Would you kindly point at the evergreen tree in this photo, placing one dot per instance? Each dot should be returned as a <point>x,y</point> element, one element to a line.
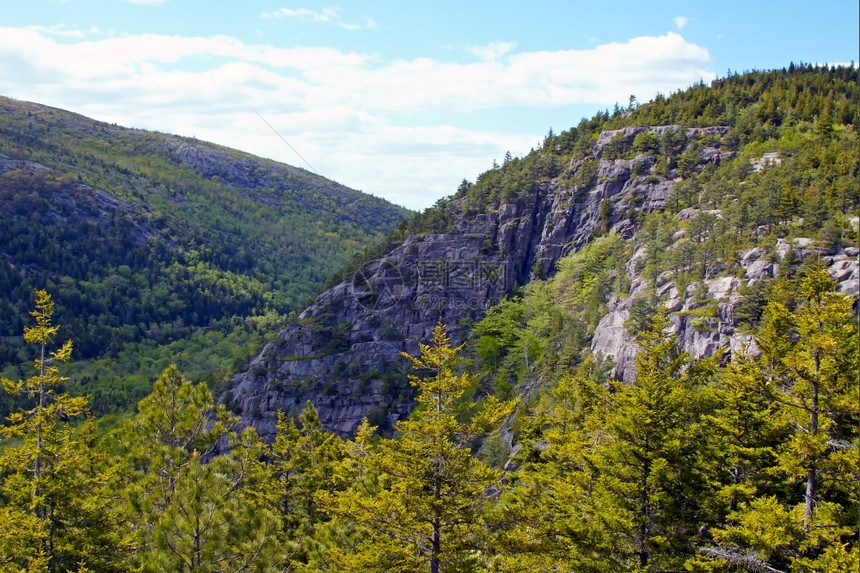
<point>555,514</point>
<point>418,499</point>
<point>55,515</point>
<point>186,513</point>
<point>808,368</point>
<point>815,387</point>
<point>304,460</point>
<point>648,458</point>
<point>743,436</point>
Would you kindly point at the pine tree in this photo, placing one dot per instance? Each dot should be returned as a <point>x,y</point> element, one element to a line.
<point>743,436</point>
<point>810,356</point>
<point>304,460</point>
<point>555,514</point>
<point>185,512</point>
<point>808,368</point>
<point>56,515</point>
<point>418,499</point>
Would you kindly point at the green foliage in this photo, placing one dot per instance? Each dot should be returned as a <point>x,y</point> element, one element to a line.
<point>757,103</point>
<point>688,467</point>
<point>742,438</point>
<point>522,342</point>
<point>305,460</point>
<point>53,477</point>
<point>646,142</point>
<point>144,244</point>
<point>626,459</point>
<point>649,462</point>
<point>415,501</point>
<point>184,512</point>
<point>750,308</point>
<point>801,390</point>
<point>815,383</point>
<point>533,524</point>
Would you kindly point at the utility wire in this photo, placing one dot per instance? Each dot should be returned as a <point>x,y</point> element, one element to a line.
<point>314,171</point>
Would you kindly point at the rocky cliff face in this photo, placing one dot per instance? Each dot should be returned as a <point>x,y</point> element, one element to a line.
<point>705,321</point>
<point>343,353</point>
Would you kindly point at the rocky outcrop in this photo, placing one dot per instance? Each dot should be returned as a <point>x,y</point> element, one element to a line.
<point>343,352</point>
<point>57,198</point>
<point>704,319</point>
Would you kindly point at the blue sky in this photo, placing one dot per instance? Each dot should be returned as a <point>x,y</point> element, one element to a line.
<point>399,99</point>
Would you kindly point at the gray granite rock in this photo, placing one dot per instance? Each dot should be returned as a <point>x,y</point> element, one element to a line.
<point>343,353</point>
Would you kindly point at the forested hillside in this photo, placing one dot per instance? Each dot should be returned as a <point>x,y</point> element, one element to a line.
<point>634,349</point>
<point>156,246</point>
<point>700,219</point>
<point>751,204</point>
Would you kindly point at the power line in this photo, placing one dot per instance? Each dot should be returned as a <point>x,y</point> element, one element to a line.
<point>287,142</point>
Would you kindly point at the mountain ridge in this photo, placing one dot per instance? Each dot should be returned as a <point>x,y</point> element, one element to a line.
<point>521,219</point>
<point>152,239</point>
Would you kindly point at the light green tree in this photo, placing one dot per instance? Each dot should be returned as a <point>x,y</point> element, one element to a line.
<point>809,375</point>
<point>418,499</point>
<point>555,515</point>
<point>52,475</point>
<point>743,435</point>
<point>185,511</point>
<point>304,459</point>
<point>816,390</point>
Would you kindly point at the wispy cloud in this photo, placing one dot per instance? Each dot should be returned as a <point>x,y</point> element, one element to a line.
<point>58,30</point>
<point>366,23</point>
<point>492,51</point>
<point>680,21</point>
<point>325,16</point>
<point>337,108</point>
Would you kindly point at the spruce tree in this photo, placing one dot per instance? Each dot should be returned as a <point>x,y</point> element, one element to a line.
<point>418,499</point>
<point>555,514</point>
<point>304,459</point>
<point>808,376</point>
<point>56,513</point>
<point>648,459</point>
<point>186,512</point>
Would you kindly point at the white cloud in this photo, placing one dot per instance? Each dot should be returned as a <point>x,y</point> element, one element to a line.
<point>492,51</point>
<point>326,16</point>
<point>680,21</point>
<point>342,111</point>
<point>146,2</point>
<point>366,23</point>
<point>58,30</point>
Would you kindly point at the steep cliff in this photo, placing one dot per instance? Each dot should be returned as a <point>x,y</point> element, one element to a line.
<point>343,353</point>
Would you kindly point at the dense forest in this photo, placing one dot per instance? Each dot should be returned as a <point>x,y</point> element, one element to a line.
<point>691,468</point>
<point>711,216</point>
<point>522,453</point>
<point>160,249</point>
